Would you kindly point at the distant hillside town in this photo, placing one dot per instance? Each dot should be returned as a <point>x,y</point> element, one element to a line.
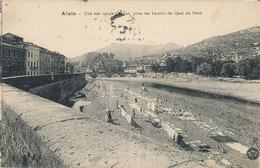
<point>235,54</point>
<point>25,58</point>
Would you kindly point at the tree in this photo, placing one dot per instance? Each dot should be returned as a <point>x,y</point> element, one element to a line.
<point>112,65</point>
<point>185,66</point>
<point>178,63</point>
<point>242,69</point>
<point>256,72</point>
<point>155,67</point>
<point>195,62</point>
<point>170,65</point>
<point>204,69</point>
<point>216,68</point>
<point>228,70</point>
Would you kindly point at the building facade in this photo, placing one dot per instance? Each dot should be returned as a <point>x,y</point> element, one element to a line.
<point>32,59</point>
<point>45,61</point>
<point>58,64</point>
<point>51,62</point>
<point>13,55</point>
<point>25,58</point>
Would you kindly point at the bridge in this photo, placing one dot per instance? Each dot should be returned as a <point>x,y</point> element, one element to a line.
<point>110,74</point>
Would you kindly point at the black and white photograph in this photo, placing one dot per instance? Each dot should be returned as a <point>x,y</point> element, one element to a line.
<point>130,84</point>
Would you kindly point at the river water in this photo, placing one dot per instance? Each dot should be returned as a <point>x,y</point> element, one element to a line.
<point>186,91</point>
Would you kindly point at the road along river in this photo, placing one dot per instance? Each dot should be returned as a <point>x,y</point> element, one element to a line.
<point>217,129</point>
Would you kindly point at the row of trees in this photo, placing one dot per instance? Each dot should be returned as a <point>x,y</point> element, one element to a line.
<point>248,68</point>
<point>113,65</point>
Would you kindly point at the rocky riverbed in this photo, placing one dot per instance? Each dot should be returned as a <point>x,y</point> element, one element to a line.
<point>200,120</point>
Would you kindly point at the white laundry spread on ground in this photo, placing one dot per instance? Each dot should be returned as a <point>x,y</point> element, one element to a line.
<point>127,116</point>
<point>238,147</point>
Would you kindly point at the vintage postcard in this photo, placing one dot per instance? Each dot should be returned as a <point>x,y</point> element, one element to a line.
<point>89,83</point>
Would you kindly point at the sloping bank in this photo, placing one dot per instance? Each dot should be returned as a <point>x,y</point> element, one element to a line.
<point>37,132</point>
<point>200,93</point>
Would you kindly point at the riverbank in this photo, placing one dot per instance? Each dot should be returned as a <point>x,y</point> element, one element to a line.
<point>233,87</point>
<point>233,119</point>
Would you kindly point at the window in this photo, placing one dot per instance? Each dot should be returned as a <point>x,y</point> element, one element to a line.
<point>28,63</point>
<point>31,64</point>
<point>12,54</point>
<point>34,64</point>
<point>31,72</point>
<point>28,72</point>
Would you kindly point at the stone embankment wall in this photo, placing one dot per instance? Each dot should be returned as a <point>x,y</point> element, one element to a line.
<point>52,87</point>
<point>22,146</point>
<point>37,132</point>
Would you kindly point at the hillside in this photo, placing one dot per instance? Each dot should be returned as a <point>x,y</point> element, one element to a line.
<point>90,59</point>
<point>98,61</point>
<point>233,46</point>
<point>126,51</point>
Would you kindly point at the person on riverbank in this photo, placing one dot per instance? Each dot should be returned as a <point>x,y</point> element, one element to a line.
<point>108,115</point>
<point>133,113</point>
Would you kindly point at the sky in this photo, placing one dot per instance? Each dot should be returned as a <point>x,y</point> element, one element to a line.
<point>148,23</point>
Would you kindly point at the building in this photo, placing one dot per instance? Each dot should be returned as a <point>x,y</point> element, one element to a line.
<point>51,62</point>
<point>69,68</point>
<point>45,61</point>
<point>25,58</point>
<point>13,55</point>
<point>147,68</point>
<point>32,59</point>
<point>131,69</point>
<point>108,55</point>
<point>58,65</point>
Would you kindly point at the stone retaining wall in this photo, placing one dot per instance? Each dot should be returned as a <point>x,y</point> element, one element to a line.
<point>58,91</point>
<point>52,87</point>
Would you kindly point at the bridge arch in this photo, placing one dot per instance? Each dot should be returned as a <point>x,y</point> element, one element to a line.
<point>102,74</point>
<point>116,75</point>
<point>108,74</point>
<point>89,75</point>
<point>129,75</point>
